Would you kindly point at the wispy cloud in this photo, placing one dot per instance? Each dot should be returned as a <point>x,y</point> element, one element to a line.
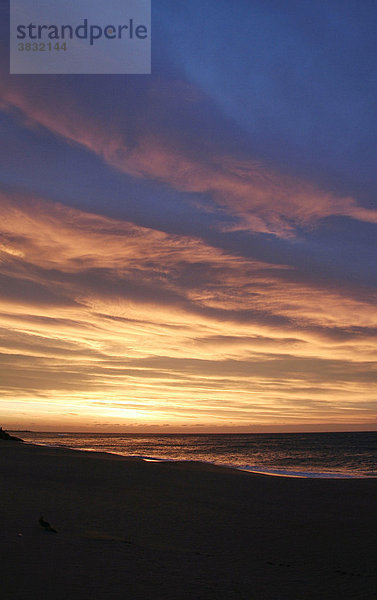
<point>105,317</point>
<point>259,198</point>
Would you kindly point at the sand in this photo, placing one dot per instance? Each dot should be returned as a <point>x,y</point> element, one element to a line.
<point>142,530</point>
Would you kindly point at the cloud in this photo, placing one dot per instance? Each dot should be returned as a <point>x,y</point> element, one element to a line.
<point>258,198</point>
<point>26,291</point>
<point>97,260</point>
<point>98,309</point>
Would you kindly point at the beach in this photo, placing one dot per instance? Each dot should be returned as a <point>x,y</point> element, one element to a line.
<point>126,528</point>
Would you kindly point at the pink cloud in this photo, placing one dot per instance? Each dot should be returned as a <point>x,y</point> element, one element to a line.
<point>120,259</point>
<point>262,200</point>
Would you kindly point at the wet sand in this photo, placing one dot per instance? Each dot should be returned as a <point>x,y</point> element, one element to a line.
<point>142,530</point>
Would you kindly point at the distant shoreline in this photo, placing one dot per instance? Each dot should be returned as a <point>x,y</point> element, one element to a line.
<point>198,433</point>
<point>5,436</point>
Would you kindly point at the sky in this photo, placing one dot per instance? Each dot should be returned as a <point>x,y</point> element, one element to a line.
<point>195,250</point>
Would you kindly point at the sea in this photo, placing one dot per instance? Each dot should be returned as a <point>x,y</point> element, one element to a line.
<point>326,455</point>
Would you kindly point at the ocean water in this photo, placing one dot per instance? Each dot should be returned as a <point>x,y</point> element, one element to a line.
<point>286,454</point>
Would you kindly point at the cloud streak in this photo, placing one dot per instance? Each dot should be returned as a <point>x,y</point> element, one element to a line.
<point>258,198</point>
<point>96,309</point>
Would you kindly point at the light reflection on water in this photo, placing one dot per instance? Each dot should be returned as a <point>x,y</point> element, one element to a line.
<point>301,455</point>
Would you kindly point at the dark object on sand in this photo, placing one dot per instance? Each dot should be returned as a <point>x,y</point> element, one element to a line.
<point>5,436</point>
<point>46,525</point>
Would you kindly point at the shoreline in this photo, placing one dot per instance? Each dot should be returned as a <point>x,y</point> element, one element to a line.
<point>168,530</point>
<point>247,469</point>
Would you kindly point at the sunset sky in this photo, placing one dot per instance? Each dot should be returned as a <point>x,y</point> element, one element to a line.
<point>195,250</point>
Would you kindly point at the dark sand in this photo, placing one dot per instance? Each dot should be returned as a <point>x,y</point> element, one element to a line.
<point>137,530</point>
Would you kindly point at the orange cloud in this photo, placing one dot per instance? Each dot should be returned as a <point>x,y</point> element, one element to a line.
<point>106,319</point>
